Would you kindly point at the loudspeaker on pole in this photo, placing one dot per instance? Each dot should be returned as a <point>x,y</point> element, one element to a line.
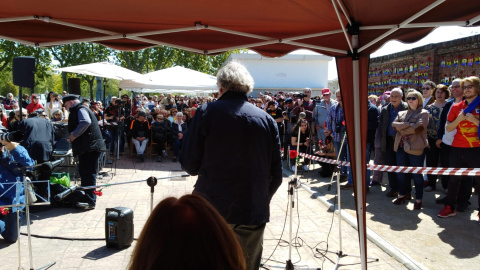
<point>74,86</point>
<point>23,71</point>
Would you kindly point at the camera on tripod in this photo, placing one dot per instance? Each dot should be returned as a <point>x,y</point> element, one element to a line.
<point>14,136</point>
<point>301,95</point>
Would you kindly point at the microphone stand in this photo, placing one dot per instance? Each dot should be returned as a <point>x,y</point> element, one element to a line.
<point>293,184</point>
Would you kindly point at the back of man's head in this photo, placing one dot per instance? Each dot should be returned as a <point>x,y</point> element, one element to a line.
<point>235,77</point>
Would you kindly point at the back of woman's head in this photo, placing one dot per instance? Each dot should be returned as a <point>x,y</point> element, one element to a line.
<point>186,233</point>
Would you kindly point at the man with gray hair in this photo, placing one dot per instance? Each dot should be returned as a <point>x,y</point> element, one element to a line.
<point>387,116</point>
<point>234,148</point>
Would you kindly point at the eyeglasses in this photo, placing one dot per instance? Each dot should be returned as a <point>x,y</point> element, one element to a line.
<point>57,114</point>
<point>326,94</point>
<point>455,86</point>
<point>411,98</point>
<point>426,88</point>
<point>43,115</point>
<point>468,87</point>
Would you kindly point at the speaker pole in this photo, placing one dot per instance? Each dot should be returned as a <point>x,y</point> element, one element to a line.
<point>20,103</point>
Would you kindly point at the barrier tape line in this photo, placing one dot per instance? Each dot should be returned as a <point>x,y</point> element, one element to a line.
<point>402,169</point>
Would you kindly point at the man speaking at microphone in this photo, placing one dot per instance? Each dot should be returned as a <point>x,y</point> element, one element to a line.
<point>234,148</point>
<point>87,143</point>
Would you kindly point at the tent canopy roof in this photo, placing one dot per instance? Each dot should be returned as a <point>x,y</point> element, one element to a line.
<point>272,28</point>
<point>102,69</point>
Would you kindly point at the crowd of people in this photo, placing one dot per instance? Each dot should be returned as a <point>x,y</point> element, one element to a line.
<point>434,126</point>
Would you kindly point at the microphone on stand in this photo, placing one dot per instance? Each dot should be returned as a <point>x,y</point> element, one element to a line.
<point>302,115</point>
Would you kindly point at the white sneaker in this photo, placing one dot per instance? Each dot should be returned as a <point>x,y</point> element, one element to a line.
<point>305,167</point>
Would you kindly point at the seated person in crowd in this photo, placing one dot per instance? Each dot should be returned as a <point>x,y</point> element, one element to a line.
<point>327,150</point>
<point>161,130</point>
<point>140,132</point>
<point>187,233</point>
<point>7,102</point>
<point>57,115</point>
<point>304,140</point>
<point>35,104</point>
<point>179,128</point>
<point>15,157</point>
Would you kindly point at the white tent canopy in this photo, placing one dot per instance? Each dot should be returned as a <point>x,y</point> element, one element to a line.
<point>174,78</point>
<point>104,70</point>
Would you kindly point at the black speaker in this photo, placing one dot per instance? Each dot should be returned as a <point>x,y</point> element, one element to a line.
<point>74,86</point>
<point>119,227</point>
<point>24,71</point>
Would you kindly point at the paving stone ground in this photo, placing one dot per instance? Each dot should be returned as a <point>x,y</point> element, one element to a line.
<point>437,244</point>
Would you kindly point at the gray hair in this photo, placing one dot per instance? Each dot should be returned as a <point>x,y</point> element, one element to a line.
<point>397,90</point>
<point>235,77</point>
<point>57,111</point>
<point>179,114</point>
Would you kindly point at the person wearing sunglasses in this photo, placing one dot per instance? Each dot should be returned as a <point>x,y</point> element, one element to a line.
<point>410,143</point>
<point>464,118</point>
<point>427,89</point>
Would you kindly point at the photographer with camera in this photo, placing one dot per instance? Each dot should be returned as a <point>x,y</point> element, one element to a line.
<point>53,103</point>
<point>115,113</point>
<point>12,157</point>
<point>336,129</point>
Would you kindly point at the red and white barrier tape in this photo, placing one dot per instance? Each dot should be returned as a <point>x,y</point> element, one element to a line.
<point>402,169</point>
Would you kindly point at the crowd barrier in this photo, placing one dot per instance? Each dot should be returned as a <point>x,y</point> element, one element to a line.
<point>402,169</point>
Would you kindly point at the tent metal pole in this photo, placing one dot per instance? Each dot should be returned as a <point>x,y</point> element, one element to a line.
<point>360,182</point>
<point>17,19</point>
<point>18,41</point>
<point>344,12</point>
<point>218,29</point>
<point>474,20</point>
<point>343,27</point>
<point>164,44</point>
<point>407,21</point>
<point>415,25</point>
<point>313,35</point>
<point>315,47</point>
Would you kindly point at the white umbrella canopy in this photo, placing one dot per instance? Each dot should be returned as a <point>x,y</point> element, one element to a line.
<point>104,70</point>
<point>174,78</point>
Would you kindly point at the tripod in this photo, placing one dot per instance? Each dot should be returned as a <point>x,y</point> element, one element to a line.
<point>340,253</point>
<point>293,184</point>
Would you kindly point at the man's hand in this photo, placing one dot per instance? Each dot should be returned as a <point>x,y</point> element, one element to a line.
<point>180,136</point>
<point>438,143</point>
<point>70,138</point>
<point>9,145</point>
<point>471,118</point>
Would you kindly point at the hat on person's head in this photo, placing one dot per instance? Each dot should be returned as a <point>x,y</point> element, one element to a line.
<point>142,114</point>
<point>69,97</point>
<point>387,92</point>
<point>289,100</point>
<point>326,91</point>
<point>86,99</point>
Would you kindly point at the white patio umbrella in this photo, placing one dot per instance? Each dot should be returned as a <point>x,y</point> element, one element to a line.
<point>174,78</point>
<point>104,70</point>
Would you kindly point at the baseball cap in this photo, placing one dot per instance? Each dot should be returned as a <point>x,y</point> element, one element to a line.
<point>289,100</point>
<point>326,91</point>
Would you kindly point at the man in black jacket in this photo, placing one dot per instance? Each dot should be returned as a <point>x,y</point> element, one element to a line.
<point>87,143</point>
<point>140,132</point>
<point>38,139</point>
<point>234,148</point>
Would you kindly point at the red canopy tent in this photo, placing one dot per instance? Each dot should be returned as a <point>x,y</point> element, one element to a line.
<point>347,29</point>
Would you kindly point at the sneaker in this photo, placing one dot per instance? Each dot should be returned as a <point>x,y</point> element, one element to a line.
<point>428,189</point>
<point>159,159</point>
<point>392,193</point>
<point>447,212</point>
<point>84,206</point>
<point>463,206</point>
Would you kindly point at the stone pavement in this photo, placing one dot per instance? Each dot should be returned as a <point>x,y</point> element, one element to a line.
<point>74,239</point>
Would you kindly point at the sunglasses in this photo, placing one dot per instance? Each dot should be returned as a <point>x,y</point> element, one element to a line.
<point>326,94</point>
<point>411,98</point>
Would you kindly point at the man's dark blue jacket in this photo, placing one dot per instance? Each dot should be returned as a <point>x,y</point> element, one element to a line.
<point>234,148</point>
